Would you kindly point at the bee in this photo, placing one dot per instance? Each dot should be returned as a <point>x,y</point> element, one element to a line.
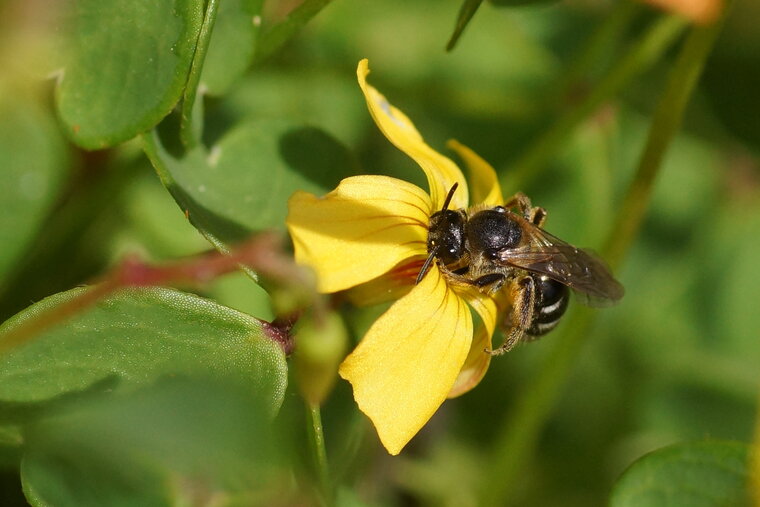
<point>497,249</point>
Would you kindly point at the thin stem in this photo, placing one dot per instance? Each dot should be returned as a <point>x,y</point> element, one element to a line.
<point>273,38</point>
<point>600,44</point>
<point>319,454</point>
<point>644,53</point>
<point>263,252</point>
<point>665,124</point>
<point>187,130</point>
<point>523,425</point>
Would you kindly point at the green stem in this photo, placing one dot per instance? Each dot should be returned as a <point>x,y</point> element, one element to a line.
<point>190,133</point>
<point>523,425</point>
<point>317,442</point>
<point>665,124</point>
<point>599,46</point>
<point>273,38</point>
<point>644,53</point>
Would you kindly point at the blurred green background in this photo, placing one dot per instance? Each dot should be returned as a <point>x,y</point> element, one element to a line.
<point>677,359</point>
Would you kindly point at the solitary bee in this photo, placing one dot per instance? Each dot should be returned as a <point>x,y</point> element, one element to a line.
<point>496,248</point>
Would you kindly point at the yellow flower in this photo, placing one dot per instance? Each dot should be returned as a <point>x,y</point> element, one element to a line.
<point>370,235</point>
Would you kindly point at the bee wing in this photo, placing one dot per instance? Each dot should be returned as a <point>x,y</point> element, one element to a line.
<point>580,269</point>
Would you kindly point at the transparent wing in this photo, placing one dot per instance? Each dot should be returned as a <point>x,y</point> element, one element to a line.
<point>580,269</point>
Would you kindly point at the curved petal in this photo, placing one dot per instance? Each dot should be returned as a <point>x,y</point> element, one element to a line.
<point>360,230</point>
<point>390,286</point>
<point>441,172</point>
<point>405,366</point>
<point>476,364</point>
<point>484,185</point>
<point>478,360</point>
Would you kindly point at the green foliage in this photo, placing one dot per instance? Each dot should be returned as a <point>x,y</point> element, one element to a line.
<point>223,191</point>
<point>132,339</point>
<point>126,66</point>
<point>152,396</point>
<point>33,159</point>
<point>466,12</point>
<point>232,46</point>
<point>708,474</point>
<point>176,441</point>
<point>517,3</point>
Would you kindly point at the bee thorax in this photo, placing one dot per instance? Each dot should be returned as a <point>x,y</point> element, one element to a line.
<point>492,231</point>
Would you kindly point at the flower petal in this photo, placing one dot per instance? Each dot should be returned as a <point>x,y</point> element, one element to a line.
<point>478,360</point>
<point>405,366</point>
<point>441,172</point>
<point>476,364</point>
<point>484,185</point>
<point>390,286</point>
<point>360,230</point>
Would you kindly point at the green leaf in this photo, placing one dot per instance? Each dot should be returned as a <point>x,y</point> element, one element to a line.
<point>191,112</point>
<point>332,100</point>
<point>243,183</point>
<point>238,291</point>
<point>127,66</point>
<point>517,3</point>
<point>11,442</point>
<point>170,237</point>
<point>175,443</point>
<point>273,38</point>
<point>232,46</point>
<point>33,162</point>
<point>466,12</point>
<point>132,338</point>
<point>698,474</point>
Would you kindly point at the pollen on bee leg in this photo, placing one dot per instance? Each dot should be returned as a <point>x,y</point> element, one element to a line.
<point>523,296</point>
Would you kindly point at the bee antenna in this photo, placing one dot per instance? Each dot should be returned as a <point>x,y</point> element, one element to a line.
<point>429,259</point>
<point>449,197</point>
<point>434,251</point>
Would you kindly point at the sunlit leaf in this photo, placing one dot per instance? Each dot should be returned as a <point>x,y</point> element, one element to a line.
<point>243,183</point>
<point>127,66</point>
<point>232,44</point>
<point>133,338</point>
<point>704,474</point>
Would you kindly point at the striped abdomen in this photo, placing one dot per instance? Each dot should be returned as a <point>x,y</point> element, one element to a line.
<point>551,303</point>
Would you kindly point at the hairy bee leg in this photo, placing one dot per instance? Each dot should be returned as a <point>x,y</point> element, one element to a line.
<point>523,297</point>
<point>519,201</point>
<point>534,214</point>
<point>494,282</point>
<point>537,216</point>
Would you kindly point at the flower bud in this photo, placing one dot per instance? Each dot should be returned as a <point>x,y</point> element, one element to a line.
<point>320,347</point>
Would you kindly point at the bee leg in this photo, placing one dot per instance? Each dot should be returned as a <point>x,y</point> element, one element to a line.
<point>533,214</point>
<point>537,216</point>
<point>494,282</point>
<point>523,297</point>
<point>519,201</point>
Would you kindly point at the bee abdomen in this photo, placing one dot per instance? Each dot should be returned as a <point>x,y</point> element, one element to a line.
<point>551,302</point>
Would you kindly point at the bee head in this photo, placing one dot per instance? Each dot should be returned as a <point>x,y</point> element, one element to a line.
<point>446,236</point>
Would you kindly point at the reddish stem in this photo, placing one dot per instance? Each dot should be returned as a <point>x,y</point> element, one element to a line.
<point>262,253</point>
